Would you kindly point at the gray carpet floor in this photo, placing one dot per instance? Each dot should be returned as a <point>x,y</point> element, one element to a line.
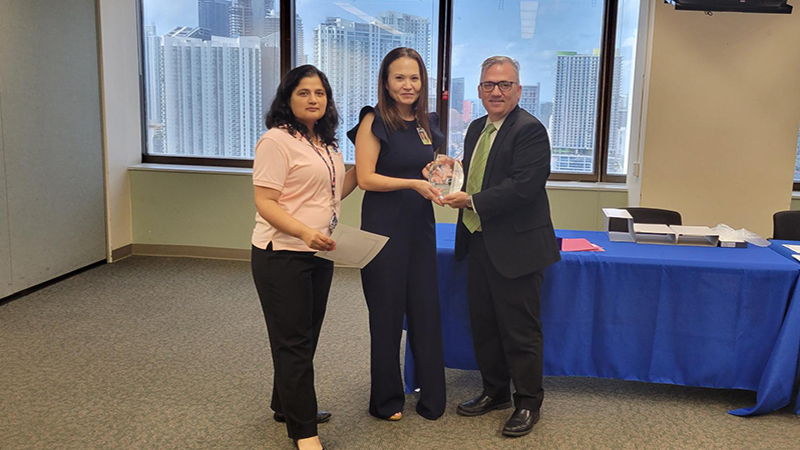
<point>168,353</point>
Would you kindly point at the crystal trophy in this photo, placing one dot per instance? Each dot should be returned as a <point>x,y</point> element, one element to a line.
<point>446,174</point>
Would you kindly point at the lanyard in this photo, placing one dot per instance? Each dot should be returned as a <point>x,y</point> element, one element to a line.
<point>332,173</point>
<point>331,167</point>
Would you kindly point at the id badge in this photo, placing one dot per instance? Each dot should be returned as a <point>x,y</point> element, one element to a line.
<point>423,135</point>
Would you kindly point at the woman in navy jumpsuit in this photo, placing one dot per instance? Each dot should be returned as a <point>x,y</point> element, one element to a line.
<point>401,280</point>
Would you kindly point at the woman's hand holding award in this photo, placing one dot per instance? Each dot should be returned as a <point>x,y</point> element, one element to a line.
<point>446,174</point>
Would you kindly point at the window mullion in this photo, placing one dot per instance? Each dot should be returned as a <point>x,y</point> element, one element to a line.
<point>604,91</point>
<point>443,74</point>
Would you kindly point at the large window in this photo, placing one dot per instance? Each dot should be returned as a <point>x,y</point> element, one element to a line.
<point>560,74</point>
<point>211,68</point>
<point>348,40</point>
<point>622,100</point>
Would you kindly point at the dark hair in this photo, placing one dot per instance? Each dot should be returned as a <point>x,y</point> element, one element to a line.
<point>387,107</point>
<point>280,113</point>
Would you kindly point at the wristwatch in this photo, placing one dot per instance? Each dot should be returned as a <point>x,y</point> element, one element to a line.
<point>469,202</point>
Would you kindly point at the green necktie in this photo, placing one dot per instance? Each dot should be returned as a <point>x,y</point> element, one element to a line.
<point>475,176</point>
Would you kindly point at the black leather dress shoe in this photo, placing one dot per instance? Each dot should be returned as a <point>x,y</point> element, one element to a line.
<point>521,422</point>
<point>482,404</point>
<point>322,417</point>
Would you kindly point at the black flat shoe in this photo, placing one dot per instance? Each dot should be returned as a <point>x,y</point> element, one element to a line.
<point>521,422</point>
<point>481,405</point>
<point>322,417</point>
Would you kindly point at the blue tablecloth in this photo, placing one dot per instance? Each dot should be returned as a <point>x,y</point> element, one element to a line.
<point>793,315</point>
<point>695,316</point>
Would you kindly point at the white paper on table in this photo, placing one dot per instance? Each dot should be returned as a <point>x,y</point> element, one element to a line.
<point>794,248</point>
<point>797,257</point>
<point>354,247</point>
<point>617,213</point>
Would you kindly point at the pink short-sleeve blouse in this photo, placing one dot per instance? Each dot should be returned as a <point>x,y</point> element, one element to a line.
<point>290,164</point>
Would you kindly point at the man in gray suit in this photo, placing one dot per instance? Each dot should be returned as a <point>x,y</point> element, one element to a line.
<point>504,227</point>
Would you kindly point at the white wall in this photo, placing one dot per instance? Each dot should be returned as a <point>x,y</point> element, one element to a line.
<point>121,113</point>
<point>52,140</point>
<point>723,107</point>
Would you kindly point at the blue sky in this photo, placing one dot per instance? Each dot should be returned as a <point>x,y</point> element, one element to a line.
<point>481,28</point>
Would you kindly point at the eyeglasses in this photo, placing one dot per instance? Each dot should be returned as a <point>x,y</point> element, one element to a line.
<point>505,86</point>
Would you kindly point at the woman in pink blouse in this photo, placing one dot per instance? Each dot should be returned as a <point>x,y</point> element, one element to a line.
<point>299,180</point>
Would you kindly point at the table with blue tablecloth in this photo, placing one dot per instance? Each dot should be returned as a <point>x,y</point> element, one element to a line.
<point>693,316</point>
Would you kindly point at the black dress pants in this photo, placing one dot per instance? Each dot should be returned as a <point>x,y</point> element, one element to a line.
<point>402,282</point>
<point>506,328</point>
<point>293,288</point>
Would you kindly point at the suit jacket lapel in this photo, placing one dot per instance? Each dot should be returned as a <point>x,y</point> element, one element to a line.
<point>497,145</point>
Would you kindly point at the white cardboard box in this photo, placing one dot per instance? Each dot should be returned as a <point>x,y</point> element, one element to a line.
<point>695,235</point>
<point>649,233</point>
<point>619,236</point>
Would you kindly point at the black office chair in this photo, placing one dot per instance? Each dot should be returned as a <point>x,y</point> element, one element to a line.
<point>646,215</point>
<point>786,225</point>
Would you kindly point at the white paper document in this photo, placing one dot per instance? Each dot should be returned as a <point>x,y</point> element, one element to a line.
<point>354,247</point>
<point>794,248</point>
<point>617,213</point>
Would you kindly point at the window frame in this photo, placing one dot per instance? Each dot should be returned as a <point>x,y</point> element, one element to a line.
<point>444,54</point>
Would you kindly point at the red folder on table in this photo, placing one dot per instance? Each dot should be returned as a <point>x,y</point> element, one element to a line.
<point>579,245</point>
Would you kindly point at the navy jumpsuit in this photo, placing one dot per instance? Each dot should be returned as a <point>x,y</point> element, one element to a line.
<point>402,278</point>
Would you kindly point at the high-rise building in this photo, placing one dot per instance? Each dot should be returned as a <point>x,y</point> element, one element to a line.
<point>433,98</point>
<point>617,138</point>
<point>467,116</point>
<point>575,111</point>
<point>545,112</point>
<point>241,18</point>
<point>457,126</point>
<point>478,110</point>
<point>457,95</point>
<point>191,32</point>
<point>154,94</point>
<point>417,28</point>
<point>272,25</point>
<point>350,54</point>
<point>300,43</point>
<point>260,9</point>
<point>211,95</point>
<point>270,70</point>
<point>529,99</point>
<point>214,15</point>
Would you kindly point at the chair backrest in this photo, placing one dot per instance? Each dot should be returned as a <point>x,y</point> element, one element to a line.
<point>647,215</point>
<point>786,225</point>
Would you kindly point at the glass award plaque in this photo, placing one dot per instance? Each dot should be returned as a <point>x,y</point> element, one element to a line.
<point>446,174</point>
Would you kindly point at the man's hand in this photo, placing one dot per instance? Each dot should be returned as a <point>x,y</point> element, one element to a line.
<point>456,200</point>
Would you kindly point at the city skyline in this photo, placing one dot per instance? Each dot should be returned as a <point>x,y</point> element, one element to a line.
<point>555,21</point>
<point>539,43</point>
